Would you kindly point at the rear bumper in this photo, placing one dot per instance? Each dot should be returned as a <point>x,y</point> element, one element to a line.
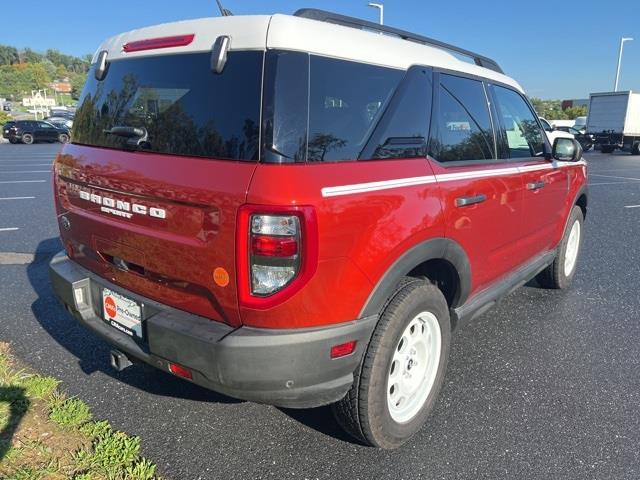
<point>288,368</point>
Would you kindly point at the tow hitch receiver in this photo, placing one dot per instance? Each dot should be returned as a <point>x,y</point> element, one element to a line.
<point>119,360</point>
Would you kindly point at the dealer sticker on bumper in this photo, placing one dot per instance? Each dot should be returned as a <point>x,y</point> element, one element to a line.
<point>122,313</point>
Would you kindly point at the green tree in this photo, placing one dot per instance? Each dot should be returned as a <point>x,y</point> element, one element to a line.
<point>29,56</point>
<point>574,112</point>
<point>77,84</point>
<point>8,55</point>
<point>61,72</point>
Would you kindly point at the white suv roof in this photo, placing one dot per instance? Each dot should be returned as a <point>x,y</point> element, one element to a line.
<point>257,32</point>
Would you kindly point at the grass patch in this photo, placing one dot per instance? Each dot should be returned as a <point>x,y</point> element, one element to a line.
<point>69,413</point>
<point>45,434</point>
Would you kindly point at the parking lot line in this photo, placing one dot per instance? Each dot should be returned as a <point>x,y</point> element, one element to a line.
<point>612,183</point>
<point>632,206</point>
<point>17,198</point>
<point>23,181</point>
<point>26,164</point>
<point>9,229</point>
<point>613,176</point>
<point>24,171</point>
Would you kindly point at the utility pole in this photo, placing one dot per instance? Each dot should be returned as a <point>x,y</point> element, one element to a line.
<point>380,8</point>
<point>622,40</point>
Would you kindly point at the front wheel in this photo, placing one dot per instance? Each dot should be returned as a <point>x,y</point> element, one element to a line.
<point>402,371</point>
<point>27,138</point>
<point>560,273</point>
<point>63,138</point>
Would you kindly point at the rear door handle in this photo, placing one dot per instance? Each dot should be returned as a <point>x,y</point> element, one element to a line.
<point>535,185</point>
<point>465,201</point>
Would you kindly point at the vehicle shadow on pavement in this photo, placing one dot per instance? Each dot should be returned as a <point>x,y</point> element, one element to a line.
<point>322,420</point>
<point>18,404</point>
<point>91,351</point>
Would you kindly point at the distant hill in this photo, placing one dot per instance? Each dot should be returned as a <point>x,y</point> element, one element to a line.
<point>22,71</point>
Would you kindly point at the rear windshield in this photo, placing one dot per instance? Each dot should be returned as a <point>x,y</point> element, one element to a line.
<point>180,105</point>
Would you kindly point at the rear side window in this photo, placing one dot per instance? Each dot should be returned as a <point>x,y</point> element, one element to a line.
<point>524,136</point>
<point>286,106</point>
<point>403,129</point>
<point>462,124</point>
<point>346,100</point>
<point>183,107</point>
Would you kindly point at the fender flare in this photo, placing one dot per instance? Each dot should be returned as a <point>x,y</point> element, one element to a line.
<point>584,190</point>
<point>435,248</point>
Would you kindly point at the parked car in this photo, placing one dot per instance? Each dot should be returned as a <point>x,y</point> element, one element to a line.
<point>553,132</point>
<point>31,131</point>
<point>362,196</point>
<point>59,112</point>
<point>580,123</point>
<point>586,140</point>
<point>61,122</point>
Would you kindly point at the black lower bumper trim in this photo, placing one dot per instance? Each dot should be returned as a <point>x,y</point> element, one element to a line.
<point>288,368</point>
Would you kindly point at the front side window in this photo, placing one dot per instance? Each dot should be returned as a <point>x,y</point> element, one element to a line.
<point>524,136</point>
<point>182,107</point>
<point>462,124</point>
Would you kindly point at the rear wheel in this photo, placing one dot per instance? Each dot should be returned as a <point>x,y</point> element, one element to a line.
<point>402,371</point>
<point>27,138</point>
<point>607,148</point>
<point>560,273</point>
<point>635,150</point>
<point>63,138</point>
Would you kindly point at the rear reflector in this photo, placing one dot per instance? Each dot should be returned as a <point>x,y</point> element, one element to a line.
<point>155,43</point>
<point>343,349</point>
<point>180,371</point>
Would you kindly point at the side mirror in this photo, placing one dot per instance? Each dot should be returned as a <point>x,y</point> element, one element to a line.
<point>566,150</point>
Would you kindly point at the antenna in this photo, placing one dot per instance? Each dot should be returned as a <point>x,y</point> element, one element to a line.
<point>223,11</point>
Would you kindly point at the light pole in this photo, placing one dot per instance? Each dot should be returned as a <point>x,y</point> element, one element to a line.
<point>622,40</point>
<point>380,7</point>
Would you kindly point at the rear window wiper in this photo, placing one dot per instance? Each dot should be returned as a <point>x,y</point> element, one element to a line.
<point>127,132</point>
<point>136,136</point>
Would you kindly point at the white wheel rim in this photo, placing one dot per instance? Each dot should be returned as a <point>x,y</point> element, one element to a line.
<point>414,367</point>
<point>573,245</point>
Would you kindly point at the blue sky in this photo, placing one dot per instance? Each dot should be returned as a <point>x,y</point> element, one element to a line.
<point>554,49</point>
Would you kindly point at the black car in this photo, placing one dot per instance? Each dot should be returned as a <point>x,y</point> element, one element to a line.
<point>30,131</point>
<point>583,139</point>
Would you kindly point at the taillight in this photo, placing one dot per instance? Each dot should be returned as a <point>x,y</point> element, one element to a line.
<point>277,252</point>
<point>274,252</point>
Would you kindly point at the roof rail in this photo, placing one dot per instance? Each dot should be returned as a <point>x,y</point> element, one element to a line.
<point>329,17</point>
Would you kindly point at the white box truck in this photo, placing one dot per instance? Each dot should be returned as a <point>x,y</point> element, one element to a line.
<point>614,120</point>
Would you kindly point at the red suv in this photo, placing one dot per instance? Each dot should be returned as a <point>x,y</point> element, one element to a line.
<point>302,213</point>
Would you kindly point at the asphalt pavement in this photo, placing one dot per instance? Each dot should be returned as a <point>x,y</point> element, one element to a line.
<point>544,385</point>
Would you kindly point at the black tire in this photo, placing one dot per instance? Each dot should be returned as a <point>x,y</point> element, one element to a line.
<point>635,149</point>
<point>27,138</point>
<point>63,138</point>
<point>555,275</point>
<point>607,148</point>
<point>13,141</point>
<point>364,411</point>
